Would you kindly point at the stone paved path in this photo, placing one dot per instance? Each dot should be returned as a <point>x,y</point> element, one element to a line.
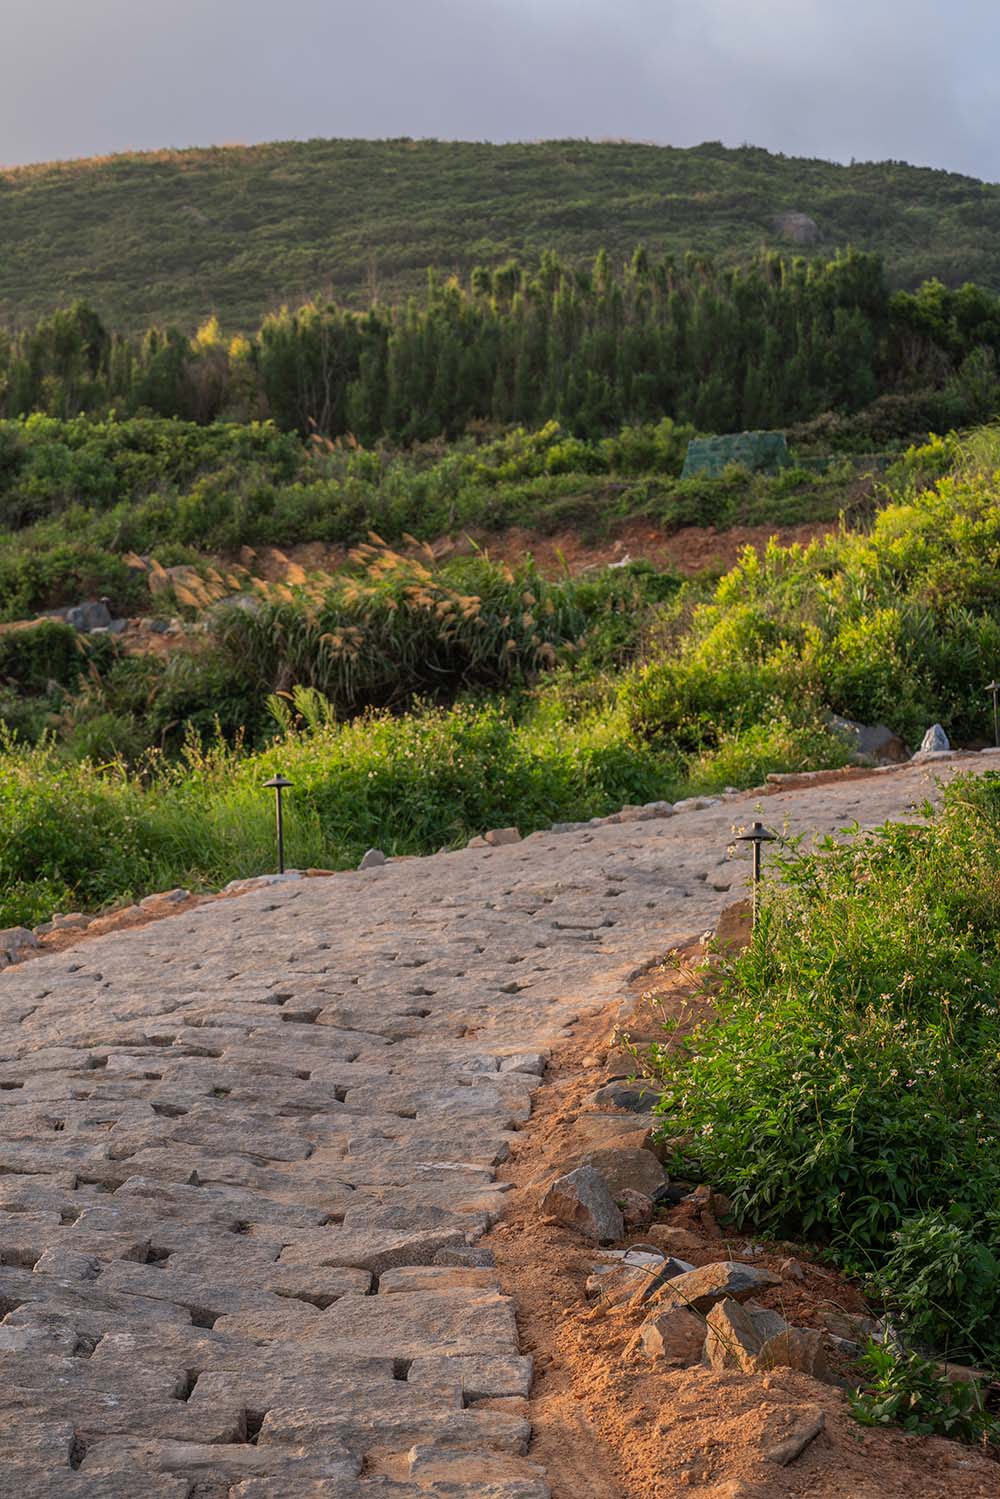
<point>246,1154</point>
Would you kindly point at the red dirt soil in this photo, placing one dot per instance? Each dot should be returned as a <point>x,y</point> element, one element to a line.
<point>690,550</point>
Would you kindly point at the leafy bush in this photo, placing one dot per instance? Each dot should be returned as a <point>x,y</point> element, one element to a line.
<point>47,652</point>
<point>850,1087</point>
<point>900,625</point>
<point>903,1389</point>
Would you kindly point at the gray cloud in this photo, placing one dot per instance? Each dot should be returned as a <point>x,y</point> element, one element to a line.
<point>834,78</point>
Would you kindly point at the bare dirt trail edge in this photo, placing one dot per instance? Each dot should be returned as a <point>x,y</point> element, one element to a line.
<point>243,1152</point>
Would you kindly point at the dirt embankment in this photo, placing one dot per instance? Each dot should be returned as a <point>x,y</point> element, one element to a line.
<point>610,1422</point>
<point>690,550</point>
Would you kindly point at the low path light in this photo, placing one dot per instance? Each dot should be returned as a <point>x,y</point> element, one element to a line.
<point>994,687</point>
<point>757,835</point>
<point>280,784</point>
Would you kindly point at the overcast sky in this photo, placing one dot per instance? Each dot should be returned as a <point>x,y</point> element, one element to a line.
<point>869,79</point>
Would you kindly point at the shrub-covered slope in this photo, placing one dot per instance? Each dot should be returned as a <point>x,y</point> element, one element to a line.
<point>551,700</point>
<point>177,235</point>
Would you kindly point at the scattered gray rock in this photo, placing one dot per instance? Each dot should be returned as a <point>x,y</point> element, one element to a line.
<point>373,859</point>
<point>635,814</point>
<point>806,1425</point>
<point>754,1339</point>
<point>497,837</point>
<point>637,1097</point>
<point>627,1169</point>
<point>75,921</point>
<point>568,827</point>
<point>725,1280</point>
<point>675,1334</point>
<point>582,1201</point>
<point>934,741</point>
<point>636,1209</point>
<point>89,617</point>
<point>870,741</point>
<point>668,1269</point>
<point>15,939</point>
<point>696,803</point>
<point>173,897</point>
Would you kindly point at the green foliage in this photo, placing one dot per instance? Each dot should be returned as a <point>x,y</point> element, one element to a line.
<point>849,1088</point>
<point>172,236</point>
<point>903,1389</point>
<point>399,628</point>
<point>659,345</point>
<point>32,657</point>
<point>79,835</point>
<point>900,625</point>
<point>174,489</point>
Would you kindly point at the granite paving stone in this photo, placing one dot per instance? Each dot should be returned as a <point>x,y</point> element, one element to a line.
<point>248,1157</point>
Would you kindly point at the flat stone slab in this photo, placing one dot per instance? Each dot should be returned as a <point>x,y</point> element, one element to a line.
<point>248,1155</point>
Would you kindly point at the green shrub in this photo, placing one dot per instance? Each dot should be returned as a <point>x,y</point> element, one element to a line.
<point>850,1087</point>
<point>903,1389</point>
<point>47,652</point>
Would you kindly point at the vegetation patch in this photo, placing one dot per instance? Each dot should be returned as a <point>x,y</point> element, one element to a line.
<point>848,1089</point>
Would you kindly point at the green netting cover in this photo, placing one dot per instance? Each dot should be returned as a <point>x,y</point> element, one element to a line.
<point>760,452</point>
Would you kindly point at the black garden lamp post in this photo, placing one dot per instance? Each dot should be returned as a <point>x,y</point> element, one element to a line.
<point>280,784</point>
<point>756,836</point>
<point>994,687</point>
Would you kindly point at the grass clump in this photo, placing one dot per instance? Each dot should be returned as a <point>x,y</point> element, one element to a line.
<point>849,1089</point>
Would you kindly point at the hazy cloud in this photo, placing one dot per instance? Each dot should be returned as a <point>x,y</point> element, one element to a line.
<point>832,78</point>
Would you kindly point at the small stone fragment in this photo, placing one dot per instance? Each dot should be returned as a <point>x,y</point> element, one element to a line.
<point>636,1209</point>
<point>497,837</point>
<point>582,1201</point>
<point>807,1424</point>
<point>14,939</point>
<point>934,741</point>
<point>676,1334</point>
<point>373,859</point>
<point>627,1169</point>
<point>164,898</point>
<point>637,1097</point>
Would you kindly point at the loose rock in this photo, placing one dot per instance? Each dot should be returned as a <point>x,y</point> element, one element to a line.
<point>582,1201</point>
<point>727,1279</point>
<point>934,741</point>
<point>627,1169</point>
<point>675,1334</point>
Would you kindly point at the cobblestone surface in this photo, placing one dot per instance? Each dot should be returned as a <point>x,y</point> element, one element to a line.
<point>243,1150</point>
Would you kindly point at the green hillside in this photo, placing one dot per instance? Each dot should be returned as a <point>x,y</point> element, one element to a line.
<point>177,235</point>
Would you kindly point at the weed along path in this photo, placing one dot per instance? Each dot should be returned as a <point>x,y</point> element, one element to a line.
<point>248,1160</point>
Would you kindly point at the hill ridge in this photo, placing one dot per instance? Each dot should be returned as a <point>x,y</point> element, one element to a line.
<point>179,234</point>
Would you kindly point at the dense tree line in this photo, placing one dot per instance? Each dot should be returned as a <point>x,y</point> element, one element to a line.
<point>769,344</point>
